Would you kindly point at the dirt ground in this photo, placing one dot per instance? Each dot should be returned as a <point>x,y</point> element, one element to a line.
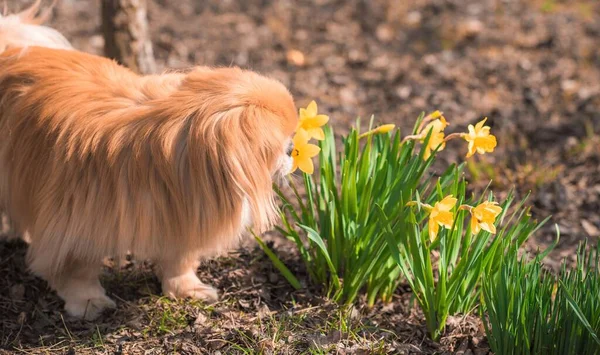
<point>531,66</point>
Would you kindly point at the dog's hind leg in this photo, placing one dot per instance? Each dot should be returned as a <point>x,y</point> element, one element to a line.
<point>76,282</point>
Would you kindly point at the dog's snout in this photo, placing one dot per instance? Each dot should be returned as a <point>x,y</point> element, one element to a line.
<point>289,149</point>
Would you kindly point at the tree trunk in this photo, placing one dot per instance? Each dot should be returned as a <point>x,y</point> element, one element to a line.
<point>126,36</point>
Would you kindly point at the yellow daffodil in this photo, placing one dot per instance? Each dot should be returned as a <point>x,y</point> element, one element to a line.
<point>437,136</point>
<point>381,129</point>
<point>484,216</point>
<point>303,152</point>
<point>435,114</point>
<point>441,215</point>
<point>479,138</point>
<point>311,122</point>
<point>438,125</point>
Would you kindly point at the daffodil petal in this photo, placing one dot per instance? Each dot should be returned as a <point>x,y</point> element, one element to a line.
<point>444,122</point>
<point>306,165</point>
<point>447,203</point>
<point>310,150</point>
<point>495,210</point>
<point>445,219</point>
<point>311,109</point>
<point>471,130</point>
<point>320,120</point>
<point>488,227</point>
<point>317,133</point>
<point>300,138</point>
<point>436,139</point>
<point>427,153</point>
<point>480,124</point>
<point>303,114</point>
<point>433,230</point>
<point>471,149</point>
<point>475,227</point>
<point>385,128</point>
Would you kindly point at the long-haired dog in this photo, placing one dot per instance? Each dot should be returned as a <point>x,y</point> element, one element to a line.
<point>97,161</point>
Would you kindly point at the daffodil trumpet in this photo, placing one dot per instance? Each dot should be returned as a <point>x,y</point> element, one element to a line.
<point>480,139</point>
<point>441,215</point>
<point>484,216</point>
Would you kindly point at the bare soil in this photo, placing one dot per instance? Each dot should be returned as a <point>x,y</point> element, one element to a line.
<point>532,67</point>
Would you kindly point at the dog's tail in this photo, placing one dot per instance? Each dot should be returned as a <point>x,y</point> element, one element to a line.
<point>25,29</point>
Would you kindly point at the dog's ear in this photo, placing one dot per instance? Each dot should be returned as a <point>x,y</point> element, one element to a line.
<point>235,152</point>
<point>240,123</point>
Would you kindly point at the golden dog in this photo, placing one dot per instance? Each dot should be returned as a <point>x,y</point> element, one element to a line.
<point>97,161</point>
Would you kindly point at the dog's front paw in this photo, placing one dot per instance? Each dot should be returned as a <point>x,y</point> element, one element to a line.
<point>89,309</point>
<point>189,285</point>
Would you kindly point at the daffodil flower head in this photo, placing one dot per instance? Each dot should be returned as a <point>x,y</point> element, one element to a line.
<point>484,216</point>
<point>441,215</point>
<point>479,138</point>
<point>438,125</point>
<point>303,153</point>
<point>386,128</point>
<point>435,114</point>
<point>311,122</point>
<point>437,136</point>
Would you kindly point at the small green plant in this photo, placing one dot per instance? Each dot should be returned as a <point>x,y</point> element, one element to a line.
<point>445,268</point>
<point>531,311</point>
<point>333,220</point>
<point>373,214</point>
<point>169,316</point>
<point>333,216</point>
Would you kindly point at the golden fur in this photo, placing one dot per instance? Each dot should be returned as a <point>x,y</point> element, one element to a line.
<point>97,161</point>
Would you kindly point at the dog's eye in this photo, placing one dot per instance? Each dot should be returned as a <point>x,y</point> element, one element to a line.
<point>289,149</point>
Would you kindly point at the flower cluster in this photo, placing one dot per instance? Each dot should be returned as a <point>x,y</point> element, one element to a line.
<point>441,214</point>
<point>309,126</point>
<point>479,137</point>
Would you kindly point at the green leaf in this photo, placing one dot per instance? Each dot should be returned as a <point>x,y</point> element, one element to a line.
<point>289,276</point>
<point>315,237</point>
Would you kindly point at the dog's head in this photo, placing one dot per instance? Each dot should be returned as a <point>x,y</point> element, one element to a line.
<point>241,134</point>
